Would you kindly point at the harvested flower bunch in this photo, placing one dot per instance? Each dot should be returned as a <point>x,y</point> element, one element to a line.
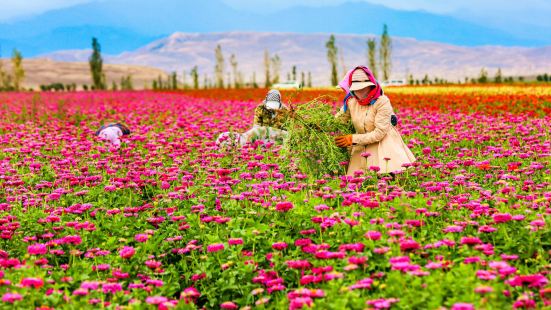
<point>310,141</point>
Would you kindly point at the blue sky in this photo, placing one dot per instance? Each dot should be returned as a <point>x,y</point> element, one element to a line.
<point>494,12</point>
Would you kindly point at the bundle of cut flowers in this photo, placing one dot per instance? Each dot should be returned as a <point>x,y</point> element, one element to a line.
<point>312,128</point>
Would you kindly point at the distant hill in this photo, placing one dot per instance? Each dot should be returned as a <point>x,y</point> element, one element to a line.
<point>122,25</point>
<point>181,51</point>
<point>45,71</point>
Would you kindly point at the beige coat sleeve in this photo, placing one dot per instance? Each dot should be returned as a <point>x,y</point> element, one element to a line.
<point>342,116</point>
<point>382,124</point>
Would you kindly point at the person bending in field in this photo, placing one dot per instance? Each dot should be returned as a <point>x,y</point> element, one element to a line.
<point>112,133</point>
<point>268,124</point>
<point>377,145</point>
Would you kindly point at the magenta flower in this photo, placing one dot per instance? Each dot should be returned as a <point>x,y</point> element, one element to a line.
<point>409,245</point>
<point>141,237</point>
<point>111,288</point>
<point>470,240</point>
<point>502,217</point>
<point>300,303</point>
<point>462,306</point>
<point>228,305</point>
<point>284,206</point>
<point>382,303</point>
<point>37,249</point>
<point>235,241</point>
<point>373,235</point>
<point>190,295</point>
<point>215,247</point>
<point>298,264</point>
<point>32,282</point>
<point>279,246</point>
<point>127,252</point>
<point>156,300</point>
<point>11,297</point>
<point>535,280</point>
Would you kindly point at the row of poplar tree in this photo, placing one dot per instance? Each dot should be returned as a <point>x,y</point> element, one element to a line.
<point>234,77</point>
<point>379,58</point>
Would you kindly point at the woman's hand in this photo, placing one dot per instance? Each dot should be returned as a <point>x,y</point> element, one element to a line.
<point>343,141</point>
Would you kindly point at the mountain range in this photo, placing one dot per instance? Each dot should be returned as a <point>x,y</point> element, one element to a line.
<point>179,52</point>
<point>123,25</point>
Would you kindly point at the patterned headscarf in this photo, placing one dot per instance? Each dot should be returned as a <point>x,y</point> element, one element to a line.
<point>273,97</point>
<point>346,82</point>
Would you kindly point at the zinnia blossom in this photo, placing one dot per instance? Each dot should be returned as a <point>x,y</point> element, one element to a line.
<point>215,247</point>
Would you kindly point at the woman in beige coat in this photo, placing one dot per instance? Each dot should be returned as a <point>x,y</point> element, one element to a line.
<point>377,145</point>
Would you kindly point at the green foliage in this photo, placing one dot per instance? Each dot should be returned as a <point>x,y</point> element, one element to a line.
<point>126,83</point>
<point>372,55</point>
<point>195,77</point>
<point>385,52</point>
<point>96,66</point>
<point>310,142</point>
<point>18,71</point>
<point>276,68</point>
<point>267,80</point>
<point>219,66</point>
<point>499,77</point>
<point>332,52</point>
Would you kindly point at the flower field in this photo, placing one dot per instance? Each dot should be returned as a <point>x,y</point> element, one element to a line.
<point>170,220</point>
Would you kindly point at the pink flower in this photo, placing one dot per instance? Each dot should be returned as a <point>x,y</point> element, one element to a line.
<point>362,284</point>
<point>535,280</point>
<point>153,264</point>
<point>11,297</point>
<point>453,229</point>
<point>155,300</point>
<point>462,306</point>
<point>37,249</point>
<point>215,247</point>
<point>300,303</point>
<point>409,245</point>
<point>110,188</point>
<point>298,264</point>
<point>382,303</point>
<point>375,168</point>
<point>111,288</point>
<point>141,237</point>
<point>80,292</point>
<point>284,206</point>
<point>127,252</point>
<point>470,240</point>
<point>235,241</point>
<point>373,235</point>
<point>228,305</point>
<point>483,289</point>
<point>89,285</point>
<point>524,302</point>
<point>279,246</point>
<point>32,282</point>
<point>190,294</point>
<point>76,240</point>
<point>502,217</point>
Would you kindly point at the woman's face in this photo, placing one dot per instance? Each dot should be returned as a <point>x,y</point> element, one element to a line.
<point>362,93</point>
